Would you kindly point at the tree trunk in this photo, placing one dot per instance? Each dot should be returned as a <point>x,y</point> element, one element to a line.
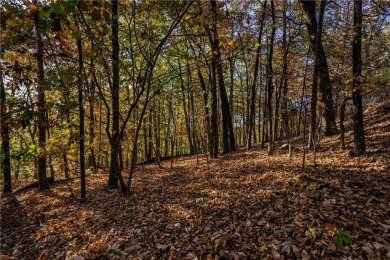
<point>252,108</point>
<point>270,87</point>
<point>5,146</point>
<point>342,117</point>
<point>214,103</point>
<point>42,179</point>
<point>285,130</point>
<point>317,66</point>
<point>359,143</point>
<point>115,140</point>
<point>229,143</point>
<point>91,127</point>
<point>206,108</point>
<point>309,8</point>
<point>83,193</point>
<point>186,117</point>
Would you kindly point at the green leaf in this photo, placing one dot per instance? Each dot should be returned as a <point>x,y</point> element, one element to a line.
<point>69,6</point>
<point>75,35</point>
<point>343,239</point>
<point>221,16</point>
<point>53,79</point>
<point>45,86</point>
<point>68,77</point>
<point>11,9</point>
<point>44,11</point>
<point>57,9</point>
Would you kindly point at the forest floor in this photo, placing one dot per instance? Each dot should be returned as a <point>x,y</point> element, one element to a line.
<point>243,205</point>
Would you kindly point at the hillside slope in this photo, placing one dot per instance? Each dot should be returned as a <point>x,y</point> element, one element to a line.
<point>244,205</point>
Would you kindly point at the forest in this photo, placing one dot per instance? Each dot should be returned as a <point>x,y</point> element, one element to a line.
<point>195,129</point>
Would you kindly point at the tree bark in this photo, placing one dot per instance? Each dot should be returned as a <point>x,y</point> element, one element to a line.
<point>317,47</point>
<point>252,108</point>
<point>229,143</point>
<point>359,143</point>
<point>285,130</point>
<point>270,87</point>
<point>213,90</point>
<point>83,193</point>
<point>91,127</point>
<point>186,117</point>
<point>42,124</point>
<point>5,146</point>
<point>330,127</point>
<point>342,117</point>
<point>115,140</point>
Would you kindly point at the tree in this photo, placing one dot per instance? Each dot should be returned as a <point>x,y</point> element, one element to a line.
<point>252,108</point>
<point>324,85</point>
<point>5,138</point>
<point>359,145</point>
<point>270,86</point>
<point>228,140</point>
<point>42,179</point>
<point>317,64</point>
<point>81,120</point>
<point>213,86</point>
<point>285,129</point>
<point>114,137</point>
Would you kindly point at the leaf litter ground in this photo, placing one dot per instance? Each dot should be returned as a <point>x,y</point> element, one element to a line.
<point>244,205</point>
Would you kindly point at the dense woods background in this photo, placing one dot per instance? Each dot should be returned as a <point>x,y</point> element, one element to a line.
<point>96,90</point>
<point>99,85</point>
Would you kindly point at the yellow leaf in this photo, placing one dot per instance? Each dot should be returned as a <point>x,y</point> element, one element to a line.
<point>33,9</point>
<point>263,249</point>
<point>331,228</point>
<point>331,247</point>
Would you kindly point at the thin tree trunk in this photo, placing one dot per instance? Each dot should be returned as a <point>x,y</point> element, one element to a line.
<point>186,117</point>
<point>359,143</point>
<point>115,138</point>
<point>251,118</point>
<point>206,108</point>
<point>342,117</point>
<point>316,75</point>
<point>303,99</point>
<point>91,127</point>
<point>42,178</point>
<point>83,192</point>
<point>50,159</point>
<point>285,130</point>
<point>5,138</point>
<point>214,106</point>
<point>270,86</point>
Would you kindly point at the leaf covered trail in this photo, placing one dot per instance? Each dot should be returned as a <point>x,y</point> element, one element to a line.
<point>244,205</point>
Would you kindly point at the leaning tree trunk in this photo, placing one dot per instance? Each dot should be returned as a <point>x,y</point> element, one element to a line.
<point>42,179</point>
<point>329,118</point>
<point>359,144</point>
